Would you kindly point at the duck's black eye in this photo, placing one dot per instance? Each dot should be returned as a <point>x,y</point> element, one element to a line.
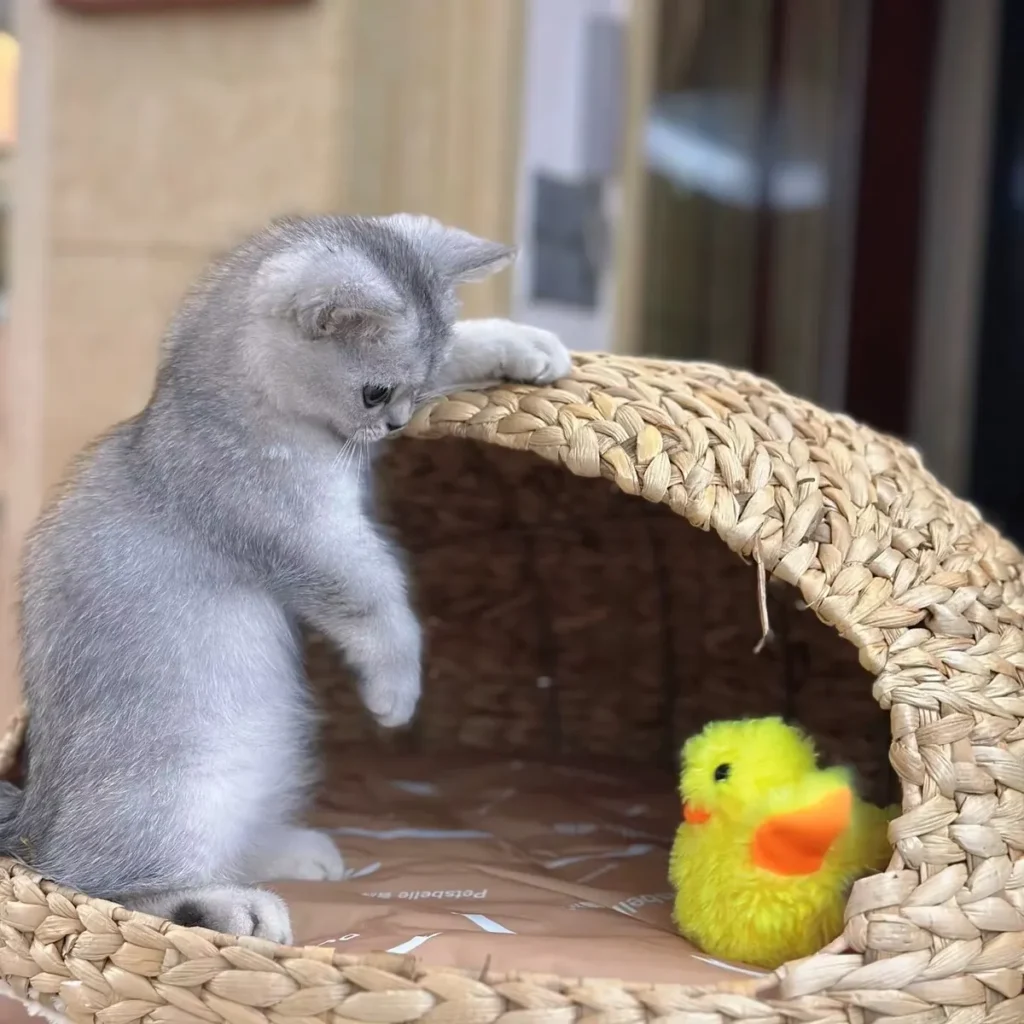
<point>722,772</point>
<point>376,394</point>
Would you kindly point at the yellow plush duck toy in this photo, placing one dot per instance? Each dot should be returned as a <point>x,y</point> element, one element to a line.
<point>769,844</point>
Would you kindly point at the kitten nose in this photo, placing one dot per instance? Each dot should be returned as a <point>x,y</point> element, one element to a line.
<point>398,414</point>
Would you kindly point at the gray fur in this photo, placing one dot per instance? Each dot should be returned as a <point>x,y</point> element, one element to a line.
<point>169,745</point>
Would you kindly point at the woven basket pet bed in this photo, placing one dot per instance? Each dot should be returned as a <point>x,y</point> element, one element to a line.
<point>572,611</point>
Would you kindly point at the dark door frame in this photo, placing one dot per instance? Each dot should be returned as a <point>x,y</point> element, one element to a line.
<point>997,463</point>
<point>893,164</point>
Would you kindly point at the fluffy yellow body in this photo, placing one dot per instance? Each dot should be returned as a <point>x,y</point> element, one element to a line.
<point>770,844</point>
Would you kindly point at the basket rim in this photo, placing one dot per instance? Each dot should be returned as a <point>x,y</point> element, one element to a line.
<point>929,594</point>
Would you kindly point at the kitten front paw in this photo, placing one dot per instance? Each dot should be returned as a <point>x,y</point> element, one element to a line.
<point>531,355</point>
<point>392,699</point>
<point>298,853</point>
<point>234,910</point>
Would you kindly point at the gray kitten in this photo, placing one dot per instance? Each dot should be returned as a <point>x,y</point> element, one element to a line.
<point>169,747</point>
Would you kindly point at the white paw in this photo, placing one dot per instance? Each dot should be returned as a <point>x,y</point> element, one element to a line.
<point>392,700</point>
<point>236,911</point>
<point>532,355</point>
<point>303,854</point>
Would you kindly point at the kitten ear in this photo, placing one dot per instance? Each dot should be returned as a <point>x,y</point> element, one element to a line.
<point>326,292</point>
<point>332,315</point>
<point>457,254</point>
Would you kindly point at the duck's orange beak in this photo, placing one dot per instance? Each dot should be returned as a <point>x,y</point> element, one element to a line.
<point>796,843</point>
<point>694,815</point>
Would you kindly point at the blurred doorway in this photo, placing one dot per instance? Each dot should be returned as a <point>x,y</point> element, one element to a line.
<point>745,143</point>
<point>776,192</point>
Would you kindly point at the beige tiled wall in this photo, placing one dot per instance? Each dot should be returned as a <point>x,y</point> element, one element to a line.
<point>183,129</point>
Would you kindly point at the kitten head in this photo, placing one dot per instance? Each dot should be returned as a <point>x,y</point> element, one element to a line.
<point>350,317</point>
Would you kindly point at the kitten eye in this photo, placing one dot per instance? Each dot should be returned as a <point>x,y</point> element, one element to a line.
<point>722,772</point>
<point>376,394</point>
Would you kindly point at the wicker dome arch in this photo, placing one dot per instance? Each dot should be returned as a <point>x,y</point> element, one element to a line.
<point>807,493</point>
<point>907,575</point>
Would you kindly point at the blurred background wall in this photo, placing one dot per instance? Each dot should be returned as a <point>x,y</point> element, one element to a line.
<point>172,134</point>
<point>824,191</point>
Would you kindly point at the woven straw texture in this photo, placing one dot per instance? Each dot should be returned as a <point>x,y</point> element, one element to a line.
<point>568,609</point>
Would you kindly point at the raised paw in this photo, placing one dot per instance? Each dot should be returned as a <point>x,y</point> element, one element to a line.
<point>392,699</point>
<point>531,355</point>
<point>234,910</point>
<point>299,853</point>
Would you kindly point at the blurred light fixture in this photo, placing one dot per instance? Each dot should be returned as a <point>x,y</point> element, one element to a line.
<point>9,53</point>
